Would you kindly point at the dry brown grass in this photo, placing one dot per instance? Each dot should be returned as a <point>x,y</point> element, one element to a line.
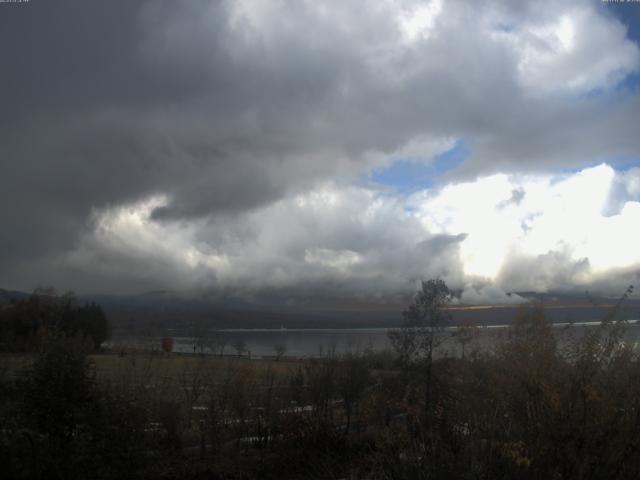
<point>144,366</point>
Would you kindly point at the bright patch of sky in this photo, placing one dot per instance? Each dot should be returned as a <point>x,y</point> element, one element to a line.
<point>418,22</point>
<point>408,175</point>
<point>509,217</point>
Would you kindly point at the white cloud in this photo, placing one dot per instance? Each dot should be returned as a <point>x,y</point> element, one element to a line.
<point>340,260</point>
<point>494,235</point>
<point>559,217</point>
<point>573,49</point>
<point>418,22</point>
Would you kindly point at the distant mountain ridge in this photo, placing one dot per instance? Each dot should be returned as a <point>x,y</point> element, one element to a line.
<point>163,309</point>
<point>7,296</point>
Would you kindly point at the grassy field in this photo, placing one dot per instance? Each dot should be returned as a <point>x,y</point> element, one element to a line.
<point>171,368</point>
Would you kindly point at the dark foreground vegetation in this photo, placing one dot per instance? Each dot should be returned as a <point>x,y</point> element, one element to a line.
<point>530,409</point>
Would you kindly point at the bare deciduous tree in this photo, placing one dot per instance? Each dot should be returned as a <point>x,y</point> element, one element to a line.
<point>422,331</point>
<point>240,346</point>
<point>280,350</point>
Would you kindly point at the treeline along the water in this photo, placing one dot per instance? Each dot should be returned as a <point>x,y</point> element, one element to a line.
<point>528,409</point>
<point>25,324</point>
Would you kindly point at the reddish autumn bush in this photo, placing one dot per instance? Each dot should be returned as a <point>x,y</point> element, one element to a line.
<point>167,344</point>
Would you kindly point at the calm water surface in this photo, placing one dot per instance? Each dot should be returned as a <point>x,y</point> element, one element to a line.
<point>316,342</point>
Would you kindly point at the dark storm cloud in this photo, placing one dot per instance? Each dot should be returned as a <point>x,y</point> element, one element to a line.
<point>225,107</point>
<point>556,270</point>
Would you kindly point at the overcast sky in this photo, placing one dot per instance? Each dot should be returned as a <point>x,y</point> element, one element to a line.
<point>305,149</point>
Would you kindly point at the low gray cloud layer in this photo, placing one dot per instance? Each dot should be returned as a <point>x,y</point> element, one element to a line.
<point>227,110</point>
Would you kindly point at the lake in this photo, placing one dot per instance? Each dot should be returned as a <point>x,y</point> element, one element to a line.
<point>316,342</point>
